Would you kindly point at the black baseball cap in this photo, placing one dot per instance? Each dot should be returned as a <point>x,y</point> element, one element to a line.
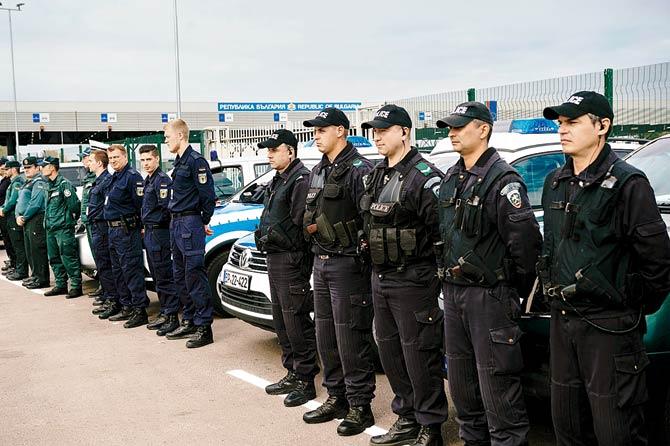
<point>327,117</point>
<point>12,163</point>
<point>50,161</point>
<point>279,137</point>
<point>464,113</point>
<point>3,161</point>
<point>388,116</point>
<point>579,104</point>
<point>29,161</point>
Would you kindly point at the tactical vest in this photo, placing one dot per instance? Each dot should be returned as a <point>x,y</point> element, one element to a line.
<point>277,232</point>
<point>581,240</point>
<point>330,208</point>
<point>471,241</point>
<point>388,224</point>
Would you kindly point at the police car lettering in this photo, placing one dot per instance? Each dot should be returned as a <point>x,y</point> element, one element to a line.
<point>575,100</point>
<point>460,110</point>
<point>380,207</point>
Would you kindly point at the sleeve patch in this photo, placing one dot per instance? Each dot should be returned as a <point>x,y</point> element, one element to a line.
<point>424,168</point>
<point>67,193</point>
<point>514,197</point>
<point>509,188</point>
<point>357,162</point>
<point>431,182</point>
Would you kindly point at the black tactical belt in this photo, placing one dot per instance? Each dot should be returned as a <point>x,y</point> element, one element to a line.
<point>184,214</point>
<point>156,226</point>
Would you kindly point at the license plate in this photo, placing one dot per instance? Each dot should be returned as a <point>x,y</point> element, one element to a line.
<point>237,281</point>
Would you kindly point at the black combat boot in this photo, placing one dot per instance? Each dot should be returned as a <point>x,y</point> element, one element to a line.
<point>155,324</point>
<point>203,336</point>
<point>74,292</point>
<point>357,420</point>
<point>334,407</point>
<point>429,436</point>
<point>102,307</point>
<point>96,293</point>
<point>123,315</point>
<point>284,385</point>
<point>404,431</point>
<point>98,301</point>
<point>139,317</point>
<point>36,285</point>
<point>56,291</point>
<point>112,309</point>
<point>171,324</point>
<point>303,392</point>
<point>186,329</point>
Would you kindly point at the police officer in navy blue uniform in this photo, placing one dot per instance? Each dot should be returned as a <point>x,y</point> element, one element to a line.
<point>191,206</point>
<point>491,244</point>
<point>108,302</point>
<point>401,226</point>
<point>289,268</point>
<point>122,209</point>
<point>156,224</point>
<point>342,300</point>
<point>605,264</point>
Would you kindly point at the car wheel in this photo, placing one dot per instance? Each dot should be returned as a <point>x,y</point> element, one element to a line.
<point>213,270</point>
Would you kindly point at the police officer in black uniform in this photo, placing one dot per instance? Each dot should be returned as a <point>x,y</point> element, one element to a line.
<point>289,268</point>
<point>605,263</point>
<point>342,300</point>
<point>401,225</point>
<point>5,180</point>
<point>156,224</point>
<point>191,205</point>
<point>122,210</point>
<point>491,244</point>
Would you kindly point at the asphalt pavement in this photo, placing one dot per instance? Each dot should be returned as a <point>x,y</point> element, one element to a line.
<point>69,378</point>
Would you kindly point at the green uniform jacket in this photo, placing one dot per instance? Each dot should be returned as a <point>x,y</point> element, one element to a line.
<point>32,197</point>
<point>13,194</point>
<point>62,205</point>
<point>87,184</point>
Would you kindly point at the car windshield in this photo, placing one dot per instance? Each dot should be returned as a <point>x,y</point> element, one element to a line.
<point>654,160</point>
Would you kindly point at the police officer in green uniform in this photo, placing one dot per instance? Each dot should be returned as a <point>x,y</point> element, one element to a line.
<point>60,217</point>
<point>20,270</point>
<point>30,216</point>
<point>605,263</point>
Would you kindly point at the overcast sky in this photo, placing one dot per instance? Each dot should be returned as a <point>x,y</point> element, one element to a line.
<point>340,50</point>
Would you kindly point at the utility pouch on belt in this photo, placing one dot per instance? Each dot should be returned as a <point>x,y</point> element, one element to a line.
<point>470,212</point>
<point>366,200</point>
<point>392,244</point>
<point>342,235</point>
<point>376,240</point>
<point>325,229</point>
<point>276,238</point>
<point>591,283</point>
<point>408,241</point>
<point>475,269</point>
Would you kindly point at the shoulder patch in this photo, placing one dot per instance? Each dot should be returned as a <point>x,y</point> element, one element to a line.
<point>67,193</point>
<point>431,182</point>
<point>357,162</point>
<point>509,188</point>
<point>424,168</point>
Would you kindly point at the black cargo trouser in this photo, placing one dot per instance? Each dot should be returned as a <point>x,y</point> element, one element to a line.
<point>484,363</point>
<point>35,241</point>
<point>408,324</point>
<point>292,303</point>
<point>598,381</point>
<point>343,313</point>
<point>18,243</point>
<point>7,241</point>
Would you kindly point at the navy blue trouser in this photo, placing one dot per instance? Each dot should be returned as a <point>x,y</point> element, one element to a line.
<point>127,265</point>
<point>484,361</point>
<point>103,259</point>
<point>188,253</point>
<point>292,301</point>
<point>408,328</point>
<point>157,244</point>
<point>598,381</point>
<point>343,314</point>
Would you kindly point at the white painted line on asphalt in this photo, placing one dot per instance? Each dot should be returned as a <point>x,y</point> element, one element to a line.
<point>311,405</point>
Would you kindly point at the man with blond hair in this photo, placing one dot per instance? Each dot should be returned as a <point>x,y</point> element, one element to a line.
<point>191,207</point>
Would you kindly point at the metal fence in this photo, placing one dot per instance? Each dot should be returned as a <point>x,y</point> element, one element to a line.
<point>640,97</point>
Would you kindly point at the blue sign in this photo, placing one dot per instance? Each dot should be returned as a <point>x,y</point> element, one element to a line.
<point>493,108</point>
<point>422,116</point>
<point>36,117</point>
<point>275,117</point>
<point>222,117</point>
<point>103,117</point>
<point>284,106</point>
<point>533,126</point>
<point>164,117</point>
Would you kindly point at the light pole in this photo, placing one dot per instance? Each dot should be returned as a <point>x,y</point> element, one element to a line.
<point>11,49</point>
<point>176,51</point>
